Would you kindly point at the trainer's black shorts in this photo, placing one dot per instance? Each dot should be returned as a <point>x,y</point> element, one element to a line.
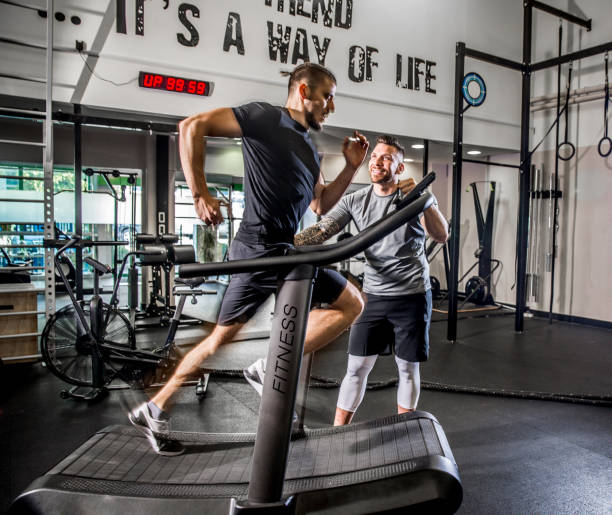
<point>398,324</point>
<point>247,291</point>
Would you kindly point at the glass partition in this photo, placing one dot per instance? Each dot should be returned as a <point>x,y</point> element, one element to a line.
<point>109,210</point>
<point>211,243</point>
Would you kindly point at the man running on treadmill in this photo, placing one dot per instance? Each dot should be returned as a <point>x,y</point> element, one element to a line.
<point>396,281</point>
<point>282,179</point>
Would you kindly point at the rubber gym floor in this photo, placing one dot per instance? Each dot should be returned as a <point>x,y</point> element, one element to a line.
<point>515,455</point>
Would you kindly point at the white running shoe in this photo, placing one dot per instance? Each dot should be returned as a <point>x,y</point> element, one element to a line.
<point>255,375</point>
<point>155,430</point>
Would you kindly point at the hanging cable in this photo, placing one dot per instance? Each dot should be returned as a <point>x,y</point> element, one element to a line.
<point>560,113</point>
<point>601,148</point>
<point>566,149</point>
<point>102,78</point>
<point>555,202</point>
<point>548,131</point>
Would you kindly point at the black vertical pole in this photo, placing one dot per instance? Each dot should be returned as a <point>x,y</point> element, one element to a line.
<point>451,333</point>
<point>162,153</point>
<point>78,202</point>
<point>525,177</point>
<point>556,182</point>
<point>446,264</point>
<point>425,157</point>
<point>115,234</point>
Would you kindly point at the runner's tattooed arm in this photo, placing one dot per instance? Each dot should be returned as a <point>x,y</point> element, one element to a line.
<point>317,233</point>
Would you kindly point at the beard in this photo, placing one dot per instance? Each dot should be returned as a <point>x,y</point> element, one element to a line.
<point>312,121</point>
<point>385,178</point>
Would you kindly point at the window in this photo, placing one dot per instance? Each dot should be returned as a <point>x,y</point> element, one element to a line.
<point>211,244</point>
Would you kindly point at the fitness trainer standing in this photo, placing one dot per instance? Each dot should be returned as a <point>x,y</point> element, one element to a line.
<point>397,314</point>
<point>282,178</point>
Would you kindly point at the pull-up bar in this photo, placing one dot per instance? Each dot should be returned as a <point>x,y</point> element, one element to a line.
<point>574,56</point>
<point>493,59</point>
<point>489,163</point>
<point>561,14</point>
<point>548,63</point>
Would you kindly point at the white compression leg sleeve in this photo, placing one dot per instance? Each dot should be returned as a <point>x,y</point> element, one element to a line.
<point>355,381</point>
<point>409,385</point>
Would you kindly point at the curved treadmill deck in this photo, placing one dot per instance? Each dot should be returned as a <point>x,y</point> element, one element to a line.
<point>361,468</point>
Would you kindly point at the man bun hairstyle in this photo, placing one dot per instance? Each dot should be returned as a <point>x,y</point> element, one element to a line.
<point>392,141</point>
<point>312,72</point>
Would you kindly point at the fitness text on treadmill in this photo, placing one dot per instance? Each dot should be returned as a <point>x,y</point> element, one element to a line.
<point>286,337</point>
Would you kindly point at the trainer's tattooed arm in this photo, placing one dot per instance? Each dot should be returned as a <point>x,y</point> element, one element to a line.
<point>317,233</point>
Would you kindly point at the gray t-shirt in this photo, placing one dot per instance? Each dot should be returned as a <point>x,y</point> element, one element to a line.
<point>395,265</point>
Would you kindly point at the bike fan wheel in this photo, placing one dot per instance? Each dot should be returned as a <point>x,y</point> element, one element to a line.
<point>67,349</point>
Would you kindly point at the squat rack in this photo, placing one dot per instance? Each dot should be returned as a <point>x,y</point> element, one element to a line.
<point>526,67</point>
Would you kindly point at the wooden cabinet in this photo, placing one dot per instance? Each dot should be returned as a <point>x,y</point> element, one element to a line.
<point>18,323</point>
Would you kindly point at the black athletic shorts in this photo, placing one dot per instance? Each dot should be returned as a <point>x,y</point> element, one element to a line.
<point>247,291</point>
<point>398,324</point>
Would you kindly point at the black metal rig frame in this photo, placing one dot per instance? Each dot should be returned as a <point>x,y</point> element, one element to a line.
<point>526,67</point>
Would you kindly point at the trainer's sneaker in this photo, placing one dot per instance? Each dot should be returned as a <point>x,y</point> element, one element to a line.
<point>255,375</point>
<point>155,430</point>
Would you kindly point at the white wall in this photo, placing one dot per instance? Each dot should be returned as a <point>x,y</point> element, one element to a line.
<point>417,29</point>
<point>423,29</point>
<point>583,285</point>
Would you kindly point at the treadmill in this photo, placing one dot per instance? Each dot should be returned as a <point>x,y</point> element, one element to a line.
<point>397,464</point>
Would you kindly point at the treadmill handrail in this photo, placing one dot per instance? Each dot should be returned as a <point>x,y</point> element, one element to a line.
<point>320,255</point>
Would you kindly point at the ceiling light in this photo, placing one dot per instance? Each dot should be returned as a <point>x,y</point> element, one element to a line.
<point>474,152</point>
<point>408,160</point>
<point>418,145</point>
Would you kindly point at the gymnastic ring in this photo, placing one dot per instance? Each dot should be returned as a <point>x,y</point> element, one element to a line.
<point>467,80</point>
<point>601,142</point>
<point>571,147</point>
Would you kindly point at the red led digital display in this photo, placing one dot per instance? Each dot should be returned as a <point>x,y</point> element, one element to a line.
<point>171,83</point>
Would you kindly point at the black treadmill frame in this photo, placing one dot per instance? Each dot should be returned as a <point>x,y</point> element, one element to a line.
<point>271,448</point>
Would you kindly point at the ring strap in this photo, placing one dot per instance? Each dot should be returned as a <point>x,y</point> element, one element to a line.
<point>606,97</point>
